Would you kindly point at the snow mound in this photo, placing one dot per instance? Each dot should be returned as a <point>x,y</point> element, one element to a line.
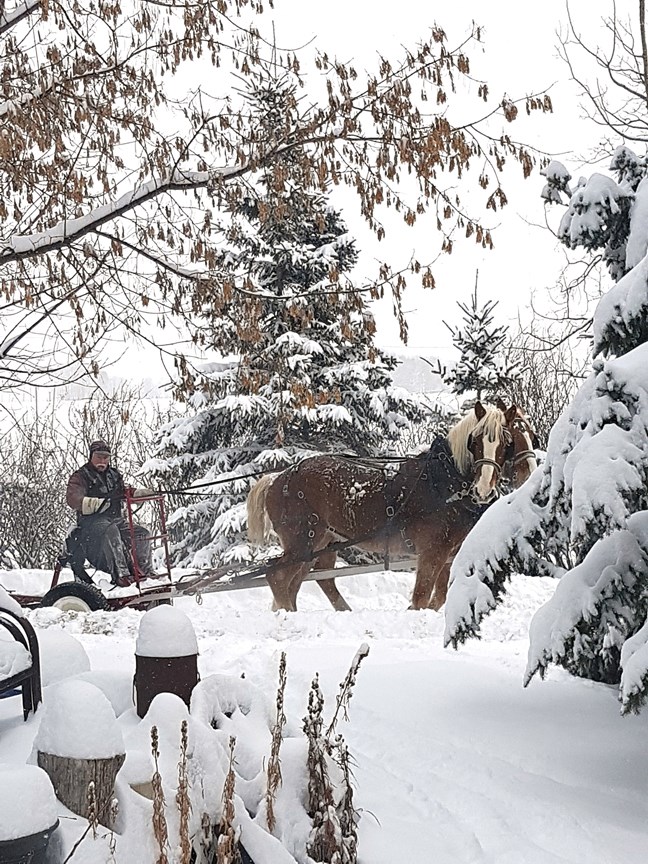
<point>78,722</point>
<point>166,632</point>
<point>27,801</point>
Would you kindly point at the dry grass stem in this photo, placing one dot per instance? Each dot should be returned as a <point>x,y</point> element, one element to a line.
<point>159,820</point>
<point>347,816</point>
<point>206,839</point>
<point>323,843</point>
<point>93,816</point>
<point>346,689</point>
<point>227,851</point>
<point>274,764</point>
<point>182,797</point>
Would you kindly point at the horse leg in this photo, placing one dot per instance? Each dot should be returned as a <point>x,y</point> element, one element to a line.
<point>326,561</point>
<point>429,566</point>
<point>286,581</point>
<point>440,589</point>
<point>280,579</point>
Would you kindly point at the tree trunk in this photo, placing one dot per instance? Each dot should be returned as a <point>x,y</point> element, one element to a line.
<point>71,777</point>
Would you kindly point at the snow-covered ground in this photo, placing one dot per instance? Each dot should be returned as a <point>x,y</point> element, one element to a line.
<point>454,761</point>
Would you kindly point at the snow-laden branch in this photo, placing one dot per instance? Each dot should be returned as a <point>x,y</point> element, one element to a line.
<point>67,231</point>
<point>610,571</point>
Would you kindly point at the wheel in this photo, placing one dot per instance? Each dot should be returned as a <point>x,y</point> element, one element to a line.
<point>75,597</point>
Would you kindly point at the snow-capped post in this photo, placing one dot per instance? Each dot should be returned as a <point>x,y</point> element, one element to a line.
<point>166,657</point>
<point>27,813</point>
<point>79,742</point>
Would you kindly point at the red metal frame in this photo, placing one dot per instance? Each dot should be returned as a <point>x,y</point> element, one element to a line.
<point>119,602</point>
<point>156,498</point>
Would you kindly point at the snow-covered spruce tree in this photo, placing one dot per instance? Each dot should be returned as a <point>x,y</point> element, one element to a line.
<point>306,376</point>
<point>482,367</point>
<point>592,493</point>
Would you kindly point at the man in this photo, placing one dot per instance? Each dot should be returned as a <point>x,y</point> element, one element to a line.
<point>96,492</point>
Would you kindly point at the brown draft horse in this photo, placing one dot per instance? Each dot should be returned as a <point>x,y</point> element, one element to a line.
<point>425,509</point>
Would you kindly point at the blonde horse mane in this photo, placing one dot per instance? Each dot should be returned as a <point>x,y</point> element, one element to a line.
<point>491,425</point>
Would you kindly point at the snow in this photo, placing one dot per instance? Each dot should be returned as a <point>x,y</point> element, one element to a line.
<point>78,721</point>
<point>558,178</point>
<point>27,802</point>
<point>61,656</point>
<point>637,244</point>
<point>165,632</point>
<point>7,602</point>
<point>14,657</point>
<point>454,761</point>
<point>614,559</point>
<point>622,304</point>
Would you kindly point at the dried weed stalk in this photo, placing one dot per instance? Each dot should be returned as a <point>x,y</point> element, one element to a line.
<point>159,821</point>
<point>227,851</point>
<point>346,813</point>
<point>112,840</point>
<point>274,764</point>
<point>323,842</point>
<point>182,797</point>
<point>206,839</point>
<point>334,837</point>
<point>346,689</point>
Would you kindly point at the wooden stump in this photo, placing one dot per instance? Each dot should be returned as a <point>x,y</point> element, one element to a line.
<point>71,777</point>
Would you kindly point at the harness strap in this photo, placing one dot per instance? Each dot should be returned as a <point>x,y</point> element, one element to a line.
<point>522,455</point>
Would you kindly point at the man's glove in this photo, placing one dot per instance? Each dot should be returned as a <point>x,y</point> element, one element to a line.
<point>142,492</point>
<point>93,505</point>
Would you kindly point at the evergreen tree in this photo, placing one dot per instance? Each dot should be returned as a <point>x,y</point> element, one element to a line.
<point>592,495</point>
<point>482,367</point>
<point>306,376</point>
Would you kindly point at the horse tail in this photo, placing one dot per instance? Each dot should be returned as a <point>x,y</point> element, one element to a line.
<point>259,525</point>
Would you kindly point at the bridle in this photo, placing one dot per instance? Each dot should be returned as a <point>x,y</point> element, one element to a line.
<point>497,468</point>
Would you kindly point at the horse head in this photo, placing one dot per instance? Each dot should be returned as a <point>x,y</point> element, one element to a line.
<point>523,460</point>
<point>490,444</point>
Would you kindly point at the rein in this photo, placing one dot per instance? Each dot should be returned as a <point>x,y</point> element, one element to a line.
<point>368,461</point>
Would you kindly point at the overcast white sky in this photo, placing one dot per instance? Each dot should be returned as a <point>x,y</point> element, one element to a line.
<point>519,57</point>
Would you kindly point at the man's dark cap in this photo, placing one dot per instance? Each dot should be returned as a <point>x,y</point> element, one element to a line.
<point>99,447</point>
